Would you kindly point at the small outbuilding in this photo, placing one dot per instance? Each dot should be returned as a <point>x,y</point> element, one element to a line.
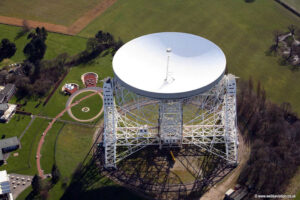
<point>69,88</point>
<point>8,145</point>
<point>5,192</point>
<point>7,111</point>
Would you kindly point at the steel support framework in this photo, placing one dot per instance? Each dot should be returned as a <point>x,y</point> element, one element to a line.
<point>132,122</point>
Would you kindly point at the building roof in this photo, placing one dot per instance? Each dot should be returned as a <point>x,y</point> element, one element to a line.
<point>3,106</point>
<point>8,88</point>
<point>4,182</point>
<point>2,97</point>
<point>169,65</point>
<point>3,176</point>
<point>8,142</point>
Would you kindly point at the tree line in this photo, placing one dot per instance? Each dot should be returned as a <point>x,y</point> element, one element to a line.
<point>273,133</point>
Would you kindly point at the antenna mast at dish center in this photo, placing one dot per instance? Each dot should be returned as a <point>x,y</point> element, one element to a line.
<point>169,90</point>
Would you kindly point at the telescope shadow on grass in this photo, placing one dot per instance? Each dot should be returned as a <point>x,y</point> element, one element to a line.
<point>154,174</point>
<point>88,183</point>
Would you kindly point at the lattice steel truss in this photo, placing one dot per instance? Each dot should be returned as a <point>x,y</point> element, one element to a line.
<point>207,120</point>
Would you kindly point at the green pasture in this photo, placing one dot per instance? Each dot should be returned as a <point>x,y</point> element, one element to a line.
<point>54,11</point>
<point>243,30</point>
<point>295,4</point>
<point>15,126</point>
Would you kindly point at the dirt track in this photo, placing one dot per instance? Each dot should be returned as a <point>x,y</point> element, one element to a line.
<point>74,29</point>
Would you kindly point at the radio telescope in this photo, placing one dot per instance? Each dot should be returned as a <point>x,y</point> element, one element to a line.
<point>169,90</point>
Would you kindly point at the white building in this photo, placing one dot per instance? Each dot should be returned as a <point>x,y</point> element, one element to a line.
<point>7,110</point>
<point>5,192</point>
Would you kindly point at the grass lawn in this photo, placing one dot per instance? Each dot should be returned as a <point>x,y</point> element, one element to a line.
<point>94,103</point>
<point>15,126</point>
<point>73,144</point>
<point>24,194</point>
<point>25,163</point>
<point>53,11</point>
<point>48,149</point>
<point>56,43</point>
<point>293,3</point>
<point>243,30</point>
<point>298,196</point>
<point>101,65</point>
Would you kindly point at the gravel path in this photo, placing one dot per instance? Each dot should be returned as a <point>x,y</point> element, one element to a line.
<point>27,127</point>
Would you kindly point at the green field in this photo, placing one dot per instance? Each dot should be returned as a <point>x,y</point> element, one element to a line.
<point>56,43</point>
<point>94,103</point>
<point>25,162</point>
<point>68,157</point>
<point>49,147</point>
<point>15,126</point>
<point>295,4</point>
<point>53,11</point>
<point>73,143</point>
<point>298,196</point>
<point>243,30</point>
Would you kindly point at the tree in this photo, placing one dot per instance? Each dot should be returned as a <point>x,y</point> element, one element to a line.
<point>55,174</point>
<point>7,49</point>
<point>274,47</point>
<point>94,45</point>
<point>36,48</point>
<point>41,86</point>
<point>3,75</point>
<point>24,88</point>
<point>292,29</point>
<point>25,28</point>
<point>36,184</point>
<point>40,33</point>
<point>105,38</point>
<point>28,68</point>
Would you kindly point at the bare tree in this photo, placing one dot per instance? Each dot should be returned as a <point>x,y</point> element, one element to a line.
<point>274,47</point>
<point>25,26</point>
<point>292,29</point>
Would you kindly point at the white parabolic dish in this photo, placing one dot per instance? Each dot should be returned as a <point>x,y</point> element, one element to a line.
<point>195,65</point>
